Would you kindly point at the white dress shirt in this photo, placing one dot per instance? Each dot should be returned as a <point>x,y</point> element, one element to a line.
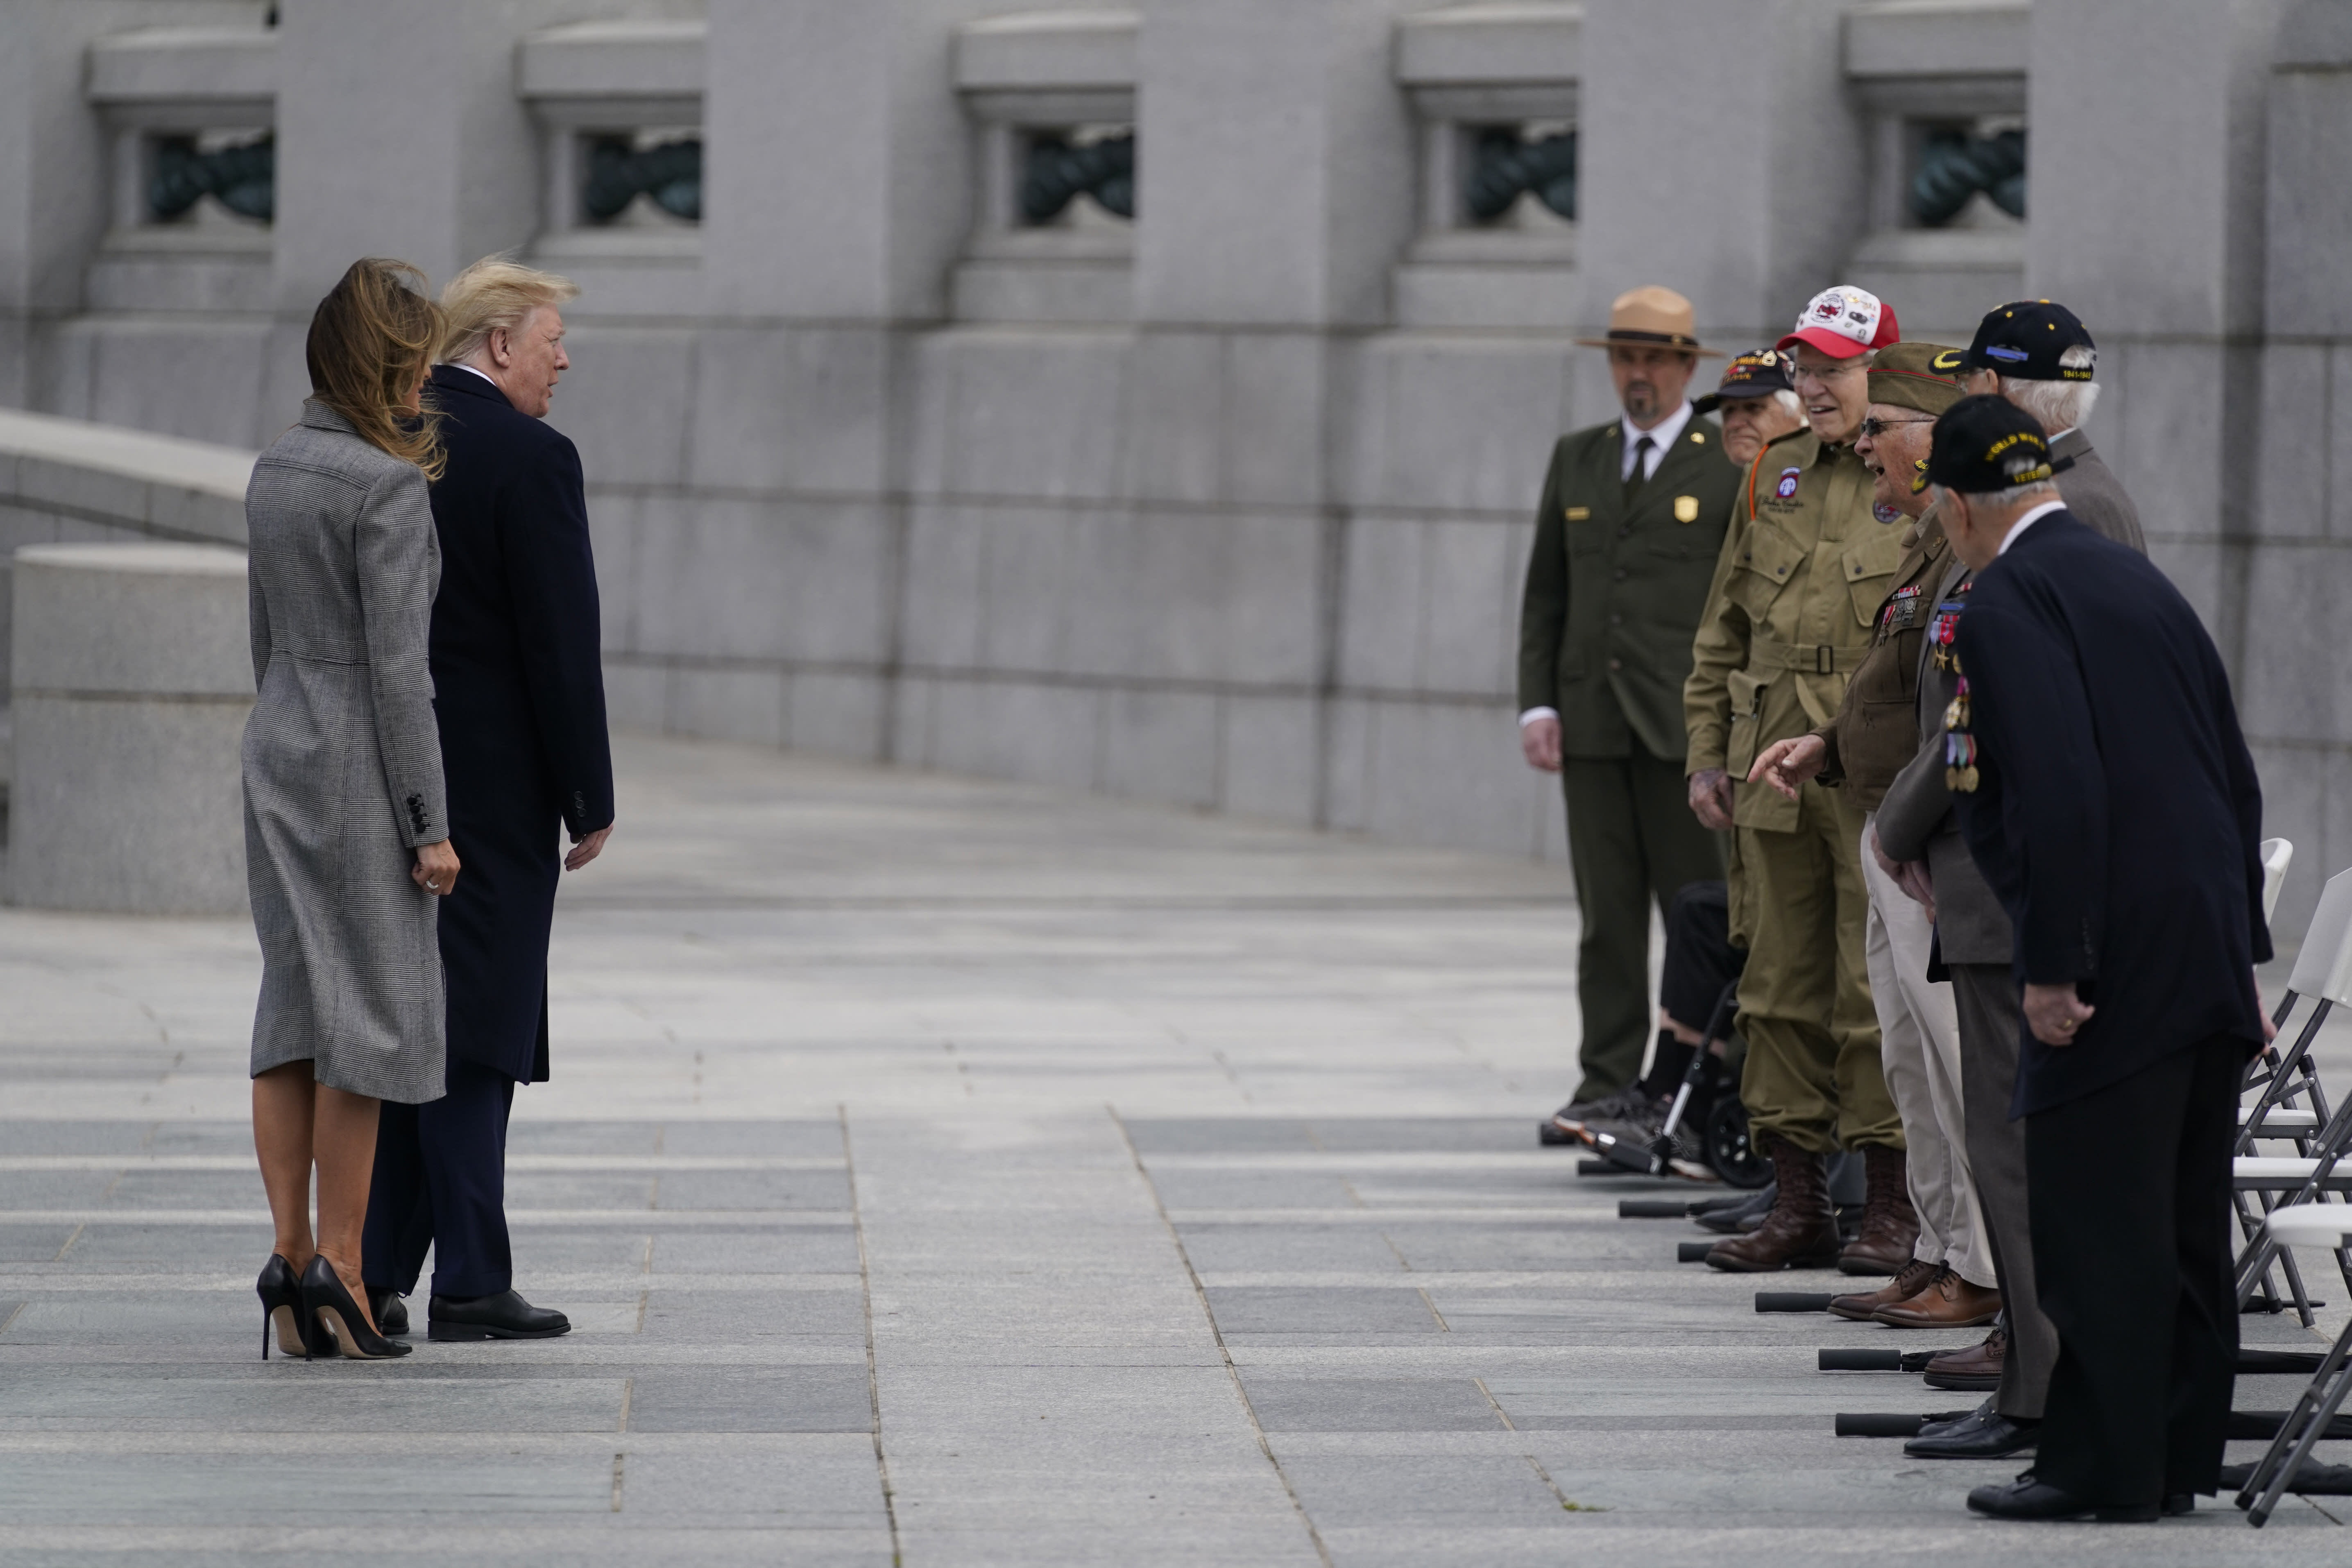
<point>460,364</point>
<point>1661,434</point>
<point>2028,520</point>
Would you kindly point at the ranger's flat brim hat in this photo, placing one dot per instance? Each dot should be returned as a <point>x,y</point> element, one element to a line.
<point>1651,318</point>
<point>1758,374</point>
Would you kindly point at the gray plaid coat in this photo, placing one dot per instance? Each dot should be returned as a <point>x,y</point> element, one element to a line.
<point>342,763</point>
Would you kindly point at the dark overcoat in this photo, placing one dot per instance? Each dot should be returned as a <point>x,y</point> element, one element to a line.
<point>519,692</point>
<point>2116,812</point>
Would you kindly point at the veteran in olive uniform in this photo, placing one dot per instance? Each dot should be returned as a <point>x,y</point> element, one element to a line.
<point>1806,564</point>
<point>1626,535</point>
<point>1950,1279</point>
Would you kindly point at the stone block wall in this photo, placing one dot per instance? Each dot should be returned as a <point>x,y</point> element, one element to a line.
<point>1225,503</point>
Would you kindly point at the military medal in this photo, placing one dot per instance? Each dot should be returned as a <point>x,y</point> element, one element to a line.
<point>1901,611</point>
<point>1945,631</point>
<point>1959,746</point>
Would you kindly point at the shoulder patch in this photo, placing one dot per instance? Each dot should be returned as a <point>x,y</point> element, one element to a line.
<point>1787,489</point>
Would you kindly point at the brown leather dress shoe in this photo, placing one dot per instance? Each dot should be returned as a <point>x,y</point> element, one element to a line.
<point>1948,1301</point>
<point>1913,1279</point>
<point>1976,1369</point>
<point>1801,1230</point>
<point>1890,1226</point>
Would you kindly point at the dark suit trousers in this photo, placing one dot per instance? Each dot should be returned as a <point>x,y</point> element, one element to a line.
<point>2130,1194</point>
<point>440,1183</point>
<point>1989,1020</point>
<point>1633,843</point>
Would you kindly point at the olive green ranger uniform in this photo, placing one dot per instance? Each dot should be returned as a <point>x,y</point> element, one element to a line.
<point>1616,582</point>
<point>1804,568</point>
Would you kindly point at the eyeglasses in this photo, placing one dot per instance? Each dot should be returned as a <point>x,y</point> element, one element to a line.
<point>1875,428</point>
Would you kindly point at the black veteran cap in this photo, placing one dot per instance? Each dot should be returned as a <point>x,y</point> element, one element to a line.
<point>1923,376</point>
<point>2034,340</point>
<point>1758,374</point>
<point>1984,444</point>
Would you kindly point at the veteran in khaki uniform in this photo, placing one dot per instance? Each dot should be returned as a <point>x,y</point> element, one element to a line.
<point>1805,564</point>
<point>1949,1282</point>
<point>1626,536</point>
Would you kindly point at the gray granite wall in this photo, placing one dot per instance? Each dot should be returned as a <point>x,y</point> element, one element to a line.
<point>1227,505</point>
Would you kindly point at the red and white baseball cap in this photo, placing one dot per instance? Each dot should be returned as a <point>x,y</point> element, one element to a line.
<point>1844,321</point>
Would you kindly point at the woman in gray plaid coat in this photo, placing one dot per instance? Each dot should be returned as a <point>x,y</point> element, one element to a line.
<point>346,826</point>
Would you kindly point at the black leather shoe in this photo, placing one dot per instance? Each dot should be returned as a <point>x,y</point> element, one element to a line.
<point>2028,1498</point>
<point>505,1316</point>
<point>1981,1435</point>
<point>391,1311</point>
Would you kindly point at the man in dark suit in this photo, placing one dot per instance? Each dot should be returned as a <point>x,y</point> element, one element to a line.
<point>2107,795</point>
<point>1626,535</point>
<point>519,694</point>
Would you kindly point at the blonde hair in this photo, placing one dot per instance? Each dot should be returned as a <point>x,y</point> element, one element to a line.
<point>495,292</point>
<point>371,343</point>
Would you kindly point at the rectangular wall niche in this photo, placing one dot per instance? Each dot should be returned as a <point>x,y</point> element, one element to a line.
<point>1943,92</point>
<point>1051,96</point>
<point>190,115</point>
<point>619,107</point>
<point>1494,89</point>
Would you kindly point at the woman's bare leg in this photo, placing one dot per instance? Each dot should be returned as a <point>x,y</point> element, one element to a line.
<point>282,1113</point>
<point>344,1147</point>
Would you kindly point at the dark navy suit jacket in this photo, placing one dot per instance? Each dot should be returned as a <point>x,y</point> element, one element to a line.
<point>518,688</point>
<point>2118,814</point>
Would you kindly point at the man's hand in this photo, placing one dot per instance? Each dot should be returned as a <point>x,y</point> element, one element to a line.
<point>1918,885</point>
<point>586,849</point>
<point>1539,739</point>
<point>2269,1030</point>
<point>1788,765</point>
<point>1710,798</point>
<point>2055,1014</point>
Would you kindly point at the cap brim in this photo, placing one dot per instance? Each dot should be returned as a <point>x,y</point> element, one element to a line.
<point>1834,344</point>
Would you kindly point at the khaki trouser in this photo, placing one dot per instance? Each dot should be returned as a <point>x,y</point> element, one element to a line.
<point>1813,1074</point>
<point>1634,843</point>
<point>1919,1048</point>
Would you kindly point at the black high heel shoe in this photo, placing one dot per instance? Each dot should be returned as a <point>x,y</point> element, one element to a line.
<point>281,1308</point>
<point>337,1320</point>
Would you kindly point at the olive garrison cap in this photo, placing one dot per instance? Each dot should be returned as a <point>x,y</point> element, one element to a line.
<point>1925,377</point>
<point>1984,444</point>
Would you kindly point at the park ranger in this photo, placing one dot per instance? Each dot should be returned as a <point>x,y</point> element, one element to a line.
<point>1627,532</point>
<point>1806,562</point>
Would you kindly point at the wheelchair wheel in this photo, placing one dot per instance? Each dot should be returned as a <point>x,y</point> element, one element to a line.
<point>1728,1149</point>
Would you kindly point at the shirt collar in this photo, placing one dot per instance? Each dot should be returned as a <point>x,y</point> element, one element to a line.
<point>469,370</point>
<point>1663,434</point>
<point>2028,520</point>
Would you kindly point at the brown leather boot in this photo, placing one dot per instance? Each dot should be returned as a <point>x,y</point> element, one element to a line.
<point>1974,1370</point>
<point>1801,1230</point>
<point>1890,1226</point>
<point>1917,1277</point>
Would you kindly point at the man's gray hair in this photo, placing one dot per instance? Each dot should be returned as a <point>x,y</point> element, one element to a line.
<point>2058,404</point>
<point>2015,495</point>
<point>494,293</point>
<point>1789,403</point>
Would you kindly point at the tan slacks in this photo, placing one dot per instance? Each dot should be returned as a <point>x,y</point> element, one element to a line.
<point>1919,1047</point>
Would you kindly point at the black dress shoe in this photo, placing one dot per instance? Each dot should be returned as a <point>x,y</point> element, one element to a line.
<point>505,1316</point>
<point>2029,1497</point>
<point>1980,1434</point>
<point>2178,1503</point>
<point>391,1311</point>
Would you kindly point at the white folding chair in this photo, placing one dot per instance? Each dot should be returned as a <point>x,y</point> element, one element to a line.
<point>2310,1225</point>
<point>2279,1080</point>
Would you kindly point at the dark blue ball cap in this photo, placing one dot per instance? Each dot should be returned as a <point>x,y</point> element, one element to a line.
<point>1987,443</point>
<point>2034,340</point>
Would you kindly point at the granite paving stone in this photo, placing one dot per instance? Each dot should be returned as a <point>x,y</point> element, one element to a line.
<point>943,1174</point>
